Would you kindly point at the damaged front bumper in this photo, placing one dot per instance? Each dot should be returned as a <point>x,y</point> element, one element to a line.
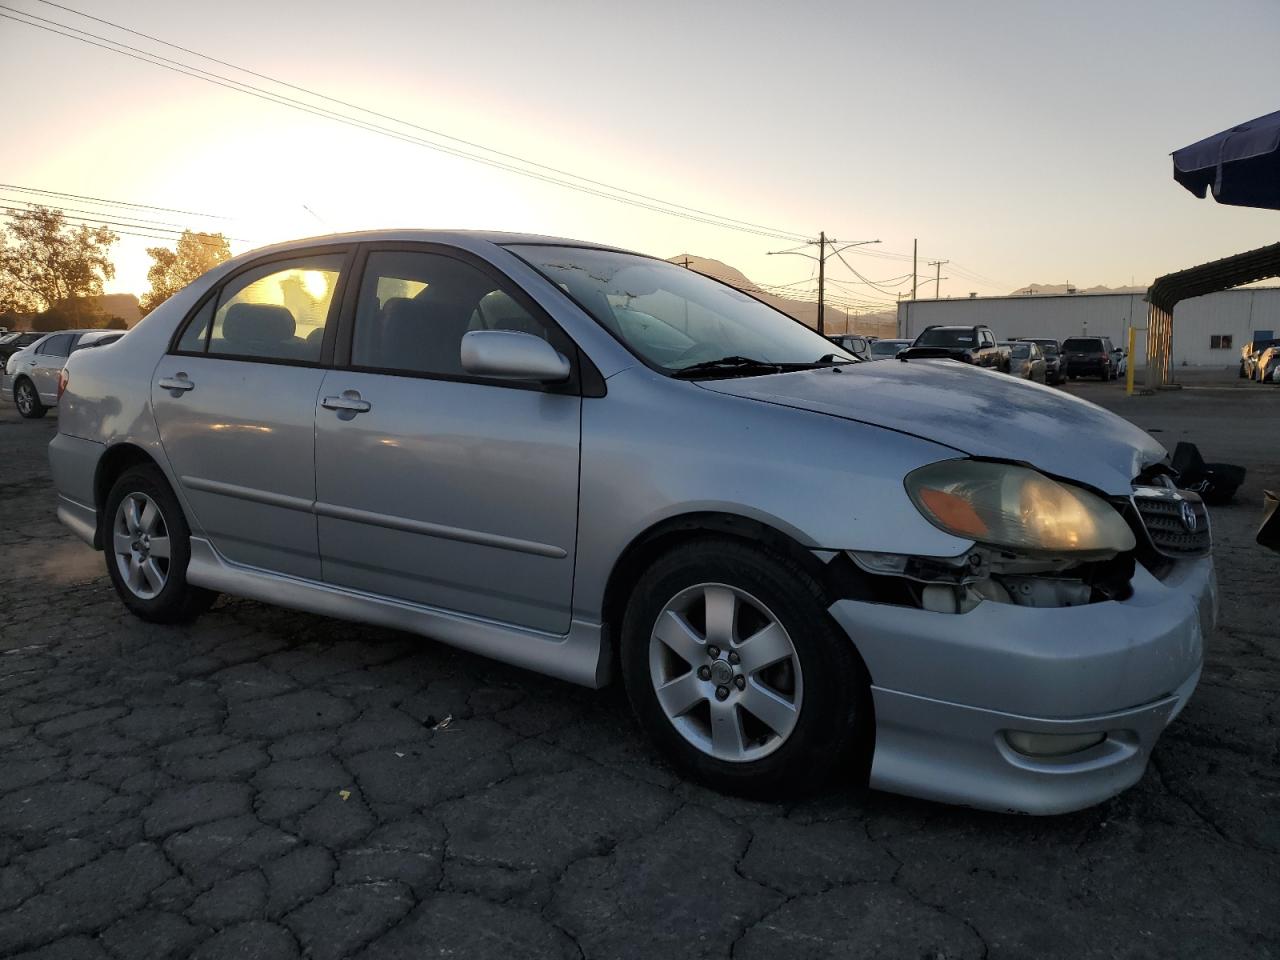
<point>949,689</point>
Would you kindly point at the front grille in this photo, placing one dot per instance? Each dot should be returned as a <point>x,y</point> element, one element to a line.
<point>1164,512</point>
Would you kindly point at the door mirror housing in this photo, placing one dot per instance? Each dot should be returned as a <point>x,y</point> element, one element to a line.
<point>511,355</point>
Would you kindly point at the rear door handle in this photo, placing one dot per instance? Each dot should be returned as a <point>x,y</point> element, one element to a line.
<point>349,402</point>
<point>178,384</point>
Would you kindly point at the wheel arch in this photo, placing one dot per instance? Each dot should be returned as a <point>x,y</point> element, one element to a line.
<point>838,575</point>
<point>116,460</point>
<point>20,379</point>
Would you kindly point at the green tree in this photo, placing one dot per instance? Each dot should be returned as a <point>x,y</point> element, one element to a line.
<point>171,270</point>
<point>46,262</point>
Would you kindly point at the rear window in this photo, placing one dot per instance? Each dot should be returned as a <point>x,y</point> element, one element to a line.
<point>1082,345</point>
<point>885,348</point>
<point>1021,350</point>
<point>943,337</point>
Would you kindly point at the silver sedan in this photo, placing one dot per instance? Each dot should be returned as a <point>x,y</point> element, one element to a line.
<point>598,465</point>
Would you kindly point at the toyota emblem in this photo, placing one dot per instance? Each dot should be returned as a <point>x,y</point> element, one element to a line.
<point>1189,518</point>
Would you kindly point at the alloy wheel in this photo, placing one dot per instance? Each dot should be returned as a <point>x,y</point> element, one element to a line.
<point>26,398</point>
<point>725,672</point>
<point>140,542</point>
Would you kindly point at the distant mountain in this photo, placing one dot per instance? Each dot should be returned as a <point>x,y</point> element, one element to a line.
<point>883,323</point>
<point>1054,289</point>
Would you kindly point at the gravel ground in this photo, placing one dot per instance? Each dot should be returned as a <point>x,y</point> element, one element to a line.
<point>271,784</point>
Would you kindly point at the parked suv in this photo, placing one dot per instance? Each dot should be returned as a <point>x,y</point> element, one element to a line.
<point>976,345</point>
<point>596,464</point>
<point>1088,357</point>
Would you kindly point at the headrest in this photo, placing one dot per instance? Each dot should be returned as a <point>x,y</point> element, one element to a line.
<point>391,304</point>
<point>403,310</point>
<point>257,323</point>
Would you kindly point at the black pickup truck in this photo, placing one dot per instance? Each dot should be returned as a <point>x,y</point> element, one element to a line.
<point>976,345</point>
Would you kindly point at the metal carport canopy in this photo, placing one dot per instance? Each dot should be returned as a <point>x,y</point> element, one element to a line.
<point>1216,275</point>
<point>1165,293</point>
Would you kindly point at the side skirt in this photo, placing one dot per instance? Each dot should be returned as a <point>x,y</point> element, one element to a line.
<point>580,656</point>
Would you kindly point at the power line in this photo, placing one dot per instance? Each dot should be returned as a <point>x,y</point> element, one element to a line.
<point>552,174</point>
<point>93,216</point>
<point>384,116</point>
<point>595,188</point>
<point>111,203</point>
<point>52,206</point>
<point>821,259</point>
<point>874,286</point>
<point>783,293</point>
<point>128,229</point>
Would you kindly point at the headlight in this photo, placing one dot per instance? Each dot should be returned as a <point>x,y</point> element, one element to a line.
<point>1017,509</point>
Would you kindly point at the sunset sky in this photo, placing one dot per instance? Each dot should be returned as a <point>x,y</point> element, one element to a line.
<point>1025,141</point>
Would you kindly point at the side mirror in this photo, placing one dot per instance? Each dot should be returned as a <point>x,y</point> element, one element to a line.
<point>511,355</point>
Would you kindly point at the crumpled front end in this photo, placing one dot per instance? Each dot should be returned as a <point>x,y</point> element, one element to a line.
<point>1036,687</point>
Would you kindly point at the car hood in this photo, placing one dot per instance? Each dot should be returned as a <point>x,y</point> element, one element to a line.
<point>974,411</point>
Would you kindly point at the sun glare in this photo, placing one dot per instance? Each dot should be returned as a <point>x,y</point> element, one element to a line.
<point>315,283</point>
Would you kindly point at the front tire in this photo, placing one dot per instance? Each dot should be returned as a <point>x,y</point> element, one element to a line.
<point>27,400</point>
<point>737,672</point>
<point>148,545</point>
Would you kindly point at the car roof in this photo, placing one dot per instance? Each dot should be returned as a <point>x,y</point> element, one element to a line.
<point>411,235</point>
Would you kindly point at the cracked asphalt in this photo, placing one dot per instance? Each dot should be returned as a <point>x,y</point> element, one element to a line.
<point>265,783</point>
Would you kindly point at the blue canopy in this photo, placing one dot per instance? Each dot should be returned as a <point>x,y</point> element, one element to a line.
<point>1240,165</point>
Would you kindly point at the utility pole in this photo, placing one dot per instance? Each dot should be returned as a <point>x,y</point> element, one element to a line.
<point>684,263</point>
<point>823,243</point>
<point>937,280</point>
<point>822,266</point>
<point>915,247</point>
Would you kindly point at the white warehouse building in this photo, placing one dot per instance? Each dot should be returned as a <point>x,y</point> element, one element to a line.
<point>1208,331</point>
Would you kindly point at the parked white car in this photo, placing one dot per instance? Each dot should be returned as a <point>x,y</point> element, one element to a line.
<point>32,376</point>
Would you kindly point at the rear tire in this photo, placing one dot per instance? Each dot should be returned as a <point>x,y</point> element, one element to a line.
<point>27,399</point>
<point>769,724</point>
<point>147,544</point>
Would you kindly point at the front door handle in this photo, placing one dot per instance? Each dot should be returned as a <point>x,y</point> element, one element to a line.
<point>349,402</point>
<point>178,384</point>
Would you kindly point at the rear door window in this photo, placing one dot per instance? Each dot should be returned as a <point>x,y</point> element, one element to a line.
<point>278,311</point>
<point>56,346</point>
